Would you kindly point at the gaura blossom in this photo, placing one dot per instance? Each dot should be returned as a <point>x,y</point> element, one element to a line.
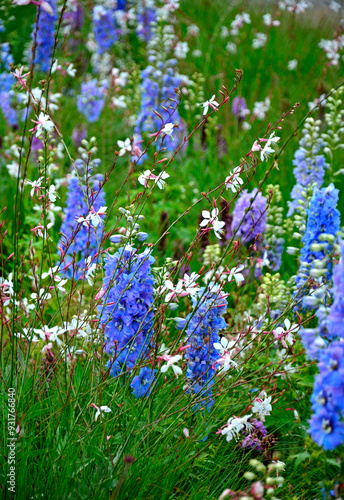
<point>212,103</point>
<point>234,180</point>
<point>171,362</point>
<point>212,218</point>
<point>43,123</point>
<point>236,274</point>
<point>100,410</point>
<point>285,335</point>
<point>125,146</point>
<point>262,406</point>
<point>158,179</point>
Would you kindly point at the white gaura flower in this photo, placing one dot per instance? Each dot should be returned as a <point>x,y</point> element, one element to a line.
<point>233,181</point>
<point>262,406</point>
<point>285,335</point>
<point>292,64</point>
<point>212,103</point>
<point>171,362</point>
<point>35,185</point>
<point>213,219</point>
<point>100,410</point>
<point>160,180</point>
<point>43,123</point>
<point>43,295</point>
<point>71,71</point>
<point>168,129</point>
<point>234,426</point>
<point>96,218</point>
<point>52,193</point>
<point>144,177</point>
<point>236,274</point>
<point>224,348</point>
<point>125,146</point>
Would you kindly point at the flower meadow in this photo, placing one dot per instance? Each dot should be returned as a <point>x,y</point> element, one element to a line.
<point>172,245</point>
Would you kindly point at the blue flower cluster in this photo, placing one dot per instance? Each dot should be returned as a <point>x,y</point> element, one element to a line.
<point>6,82</point>
<point>158,84</point>
<point>326,427</point>
<point>105,27</point>
<point>323,219</point>
<point>126,313</point>
<point>45,36</point>
<point>205,323</point>
<point>85,242</point>
<point>254,222</point>
<point>146,17</point>
<point>309,168</point>
<point>92,98</point>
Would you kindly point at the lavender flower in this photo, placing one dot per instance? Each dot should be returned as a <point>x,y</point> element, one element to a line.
<point>254,221</point>
<point>254,438</point>
<point>45,37</point>
<point>239,108</point>
<point>335,319</point>
<point>202,332</point>
<point>86,241</point>
<point>92,98</point>
<point>126,313</point>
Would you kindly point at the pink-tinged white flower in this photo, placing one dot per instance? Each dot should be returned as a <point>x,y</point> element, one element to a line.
<point>43,123</point>
<point>262,406</point>
<point>335,6</point>
<point>35,185</point>
<point>233,181</point>
<point>125,146</point>
<point>90,270</point>
<point>41,230</point>
<point>266,152</point>
<point>260,108</point>
<point>224,348</point>
<point>186,432</point>
<point>144,178</point>
<point>168,129</point>
<point>159,180</point>
<point>52,194</point>
<point>13,169</point>
<point>268,21</point>
<point>171,362</point>
<point>43,295</point>
<point>190,283</point>
<point>263,262</point>
<point>60,285</point>
<point>18,74</point>
<point>96,218</point>
<point>119,101</point>
<point>212,103</point>
<point>286,335</point>
<point>212,219</point>
<point>100,410</point>
<point>234,426</point>
<point>50,333</point>
<point>45,5</point>
<point>6,288</point>
<point>236,274</point>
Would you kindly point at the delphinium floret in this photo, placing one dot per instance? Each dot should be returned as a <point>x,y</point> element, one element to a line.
<point>92,98</point>
<point>205,323</point>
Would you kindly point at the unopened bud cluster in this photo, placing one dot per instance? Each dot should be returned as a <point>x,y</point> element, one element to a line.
<point>274,294</point>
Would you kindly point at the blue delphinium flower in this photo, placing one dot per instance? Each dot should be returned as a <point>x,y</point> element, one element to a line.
<point>326,427</point>
<point>6,82</point>
<point>45,36</point>
<point>157,89</point>
<point>143,382</point>
<point>309,165</point>
<point>323,218</point>
<point>335,318</point>
<point>202,332</point>
<point>254,221</point>
<point>146,17</point>
<point>126,313</point>
<point>105,27</point>
<point>92,98</point>
<point>86,241</point>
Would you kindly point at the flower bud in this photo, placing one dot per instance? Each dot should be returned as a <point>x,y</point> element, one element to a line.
<point>142,236</point>
<point>249,475</point>
<point>117,238</point>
